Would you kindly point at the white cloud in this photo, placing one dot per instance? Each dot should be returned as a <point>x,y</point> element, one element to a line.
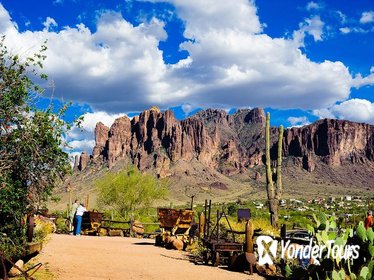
<point>324,113</point>
<point>312,6</point>
<point>360,81</point>
<point>359,110</point>
<point>345,30</point>
<point>298,121</point>
<point>342,17</point>
<point>312,26</point>
<point>83,139</point>
<point>49,23</point>
<point>367,17</point>
<point>82,145</point>
<point>231,63</point>
<point>187,108</point>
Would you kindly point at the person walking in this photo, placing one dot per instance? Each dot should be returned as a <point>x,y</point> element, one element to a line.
<point>369,220</point>
<point>78,218</point>
<point>73,209</point>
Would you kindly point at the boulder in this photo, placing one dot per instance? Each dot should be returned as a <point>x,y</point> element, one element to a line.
<point>14,271</point>
<point>137,227</point>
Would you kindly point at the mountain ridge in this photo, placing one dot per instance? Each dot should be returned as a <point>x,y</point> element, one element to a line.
<point>227,143</point>
<point>216,155</point>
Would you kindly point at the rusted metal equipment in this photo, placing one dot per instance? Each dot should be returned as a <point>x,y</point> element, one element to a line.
<point>27,274</point>
<point>94,224</point>
<point>91,222</point>
<point>219,250</point>
<point>174,224</point>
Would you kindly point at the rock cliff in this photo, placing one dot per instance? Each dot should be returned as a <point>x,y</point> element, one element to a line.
<point>229,144</point>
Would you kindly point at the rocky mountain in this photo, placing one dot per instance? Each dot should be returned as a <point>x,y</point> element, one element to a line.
<point>216,151</point>
<point>227,143</point>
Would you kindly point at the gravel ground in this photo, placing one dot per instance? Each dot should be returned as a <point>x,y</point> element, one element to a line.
<point>90,257</point>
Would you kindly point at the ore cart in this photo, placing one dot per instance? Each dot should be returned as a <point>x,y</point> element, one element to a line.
<point>91,222</point>
<point>218,250</point>
<point>174,222</point>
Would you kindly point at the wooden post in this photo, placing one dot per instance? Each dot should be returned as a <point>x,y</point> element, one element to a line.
<point>249,252</point>
<point>192,197</point>
<point>131,224</point>
<point>202,225</point>
<point>208,221</point>
<point>218,219</point>
<point>87,201</point>
<point>70,202</point>
<point>283,231</point>
<point>205,216</point>
<point>30,227</point>
<point>249,236</point>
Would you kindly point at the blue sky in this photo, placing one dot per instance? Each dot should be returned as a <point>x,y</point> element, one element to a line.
<point>301,60</point>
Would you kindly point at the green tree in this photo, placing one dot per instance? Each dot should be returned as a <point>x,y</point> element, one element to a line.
<point>130,190</point>
<point>32,160</point>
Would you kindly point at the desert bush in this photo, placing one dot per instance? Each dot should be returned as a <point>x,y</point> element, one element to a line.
<point>61,226</point>
<point>265,226</point>
<point>43,227</point>
<point>129,191</point>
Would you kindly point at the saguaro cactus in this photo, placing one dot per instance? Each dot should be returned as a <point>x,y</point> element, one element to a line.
<point>274,194</point>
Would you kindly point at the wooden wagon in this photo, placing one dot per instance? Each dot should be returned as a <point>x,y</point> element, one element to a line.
<point>174,222</point>
<point>91,222</point>
<point>218,250</point>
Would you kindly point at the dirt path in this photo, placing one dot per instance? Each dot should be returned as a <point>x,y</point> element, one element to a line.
<point>89,257</point>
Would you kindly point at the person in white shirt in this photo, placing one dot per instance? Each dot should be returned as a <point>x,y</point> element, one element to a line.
<point>78,218</point>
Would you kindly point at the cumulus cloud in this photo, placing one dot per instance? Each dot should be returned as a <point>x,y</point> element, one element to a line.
<point>360,81</point>
<point>298,121</point>
<point>367,17</point>
<point>231,63</point>
<point>312,6</point>
<point>82,139</point>
<point>312,26</point>
<point>49,23</point>
<point>359,110</point>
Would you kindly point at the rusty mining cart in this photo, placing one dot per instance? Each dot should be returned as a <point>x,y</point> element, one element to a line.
<point>218,249</point>
<point>94,224</point>
<point>175,224</point>
<point>91,222</point>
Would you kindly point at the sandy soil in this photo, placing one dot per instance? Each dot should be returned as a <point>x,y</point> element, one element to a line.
<point>89,257</point>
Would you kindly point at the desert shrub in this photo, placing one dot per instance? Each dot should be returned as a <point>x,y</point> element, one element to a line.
<point>129,191</point>
<point>61,226</point>
<point>9,247</point>
<point>42,229</point>
<point>265,226</point>
<point>232,209</point>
